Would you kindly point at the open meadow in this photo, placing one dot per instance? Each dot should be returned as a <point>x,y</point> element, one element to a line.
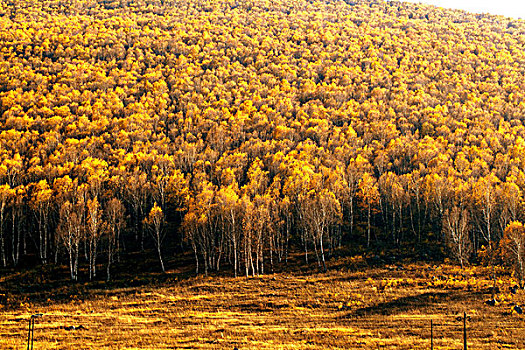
<point>353,306</point>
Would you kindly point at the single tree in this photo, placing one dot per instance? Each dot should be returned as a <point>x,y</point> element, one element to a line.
<point>513,244</point>
<point>456,228</point>
<point>155,223</point>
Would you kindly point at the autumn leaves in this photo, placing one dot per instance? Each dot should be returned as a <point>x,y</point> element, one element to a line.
<point>241,134</point>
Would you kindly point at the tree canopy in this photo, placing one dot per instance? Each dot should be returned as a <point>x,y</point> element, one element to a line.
<point>254,126</point>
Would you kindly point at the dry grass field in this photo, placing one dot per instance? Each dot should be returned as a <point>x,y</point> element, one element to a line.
<point>353,306</point>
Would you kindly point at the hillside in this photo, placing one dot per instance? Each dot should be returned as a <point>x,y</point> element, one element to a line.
<point>241,130</point>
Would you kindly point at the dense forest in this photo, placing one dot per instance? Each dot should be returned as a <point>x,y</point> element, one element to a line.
<point>239,131</point>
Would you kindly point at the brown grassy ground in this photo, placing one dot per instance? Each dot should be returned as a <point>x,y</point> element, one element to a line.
<point>350,307</point>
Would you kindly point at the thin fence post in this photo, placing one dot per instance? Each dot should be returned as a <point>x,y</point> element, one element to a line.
<point>431,335</point>
<point>29,333</point>
<point>464,331</point>
<point>32,331</point>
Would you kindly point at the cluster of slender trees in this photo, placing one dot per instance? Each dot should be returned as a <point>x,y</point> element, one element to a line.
<point>240,131</point>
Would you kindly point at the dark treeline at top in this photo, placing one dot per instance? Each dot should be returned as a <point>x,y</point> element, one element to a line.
<point>240,129</point>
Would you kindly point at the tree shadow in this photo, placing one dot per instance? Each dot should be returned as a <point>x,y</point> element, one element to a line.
<point>51,284</point>
<point>409,303</point>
